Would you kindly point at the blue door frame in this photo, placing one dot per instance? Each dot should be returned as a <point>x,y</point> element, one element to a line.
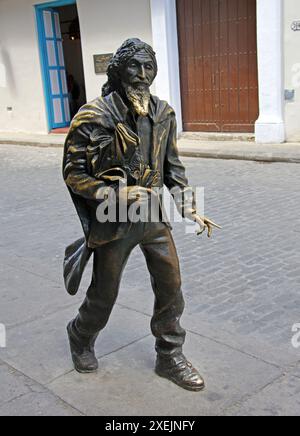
<point>39,9</point>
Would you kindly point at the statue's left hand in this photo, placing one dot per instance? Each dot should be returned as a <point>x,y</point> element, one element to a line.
<point>205,223</point>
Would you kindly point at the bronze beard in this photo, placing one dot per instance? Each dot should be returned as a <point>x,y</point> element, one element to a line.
<point>139,98</point>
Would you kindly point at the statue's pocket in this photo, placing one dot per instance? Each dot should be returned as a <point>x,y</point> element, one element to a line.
<point>98,151</point>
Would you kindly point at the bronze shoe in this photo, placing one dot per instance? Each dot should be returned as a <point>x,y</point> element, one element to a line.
<point>180,371</point>
<point>82,351</point>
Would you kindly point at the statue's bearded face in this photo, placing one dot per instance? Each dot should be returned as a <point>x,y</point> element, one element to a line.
<point>138,75</point>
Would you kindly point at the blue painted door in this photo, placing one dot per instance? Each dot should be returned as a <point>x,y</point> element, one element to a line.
<point>55,70</point>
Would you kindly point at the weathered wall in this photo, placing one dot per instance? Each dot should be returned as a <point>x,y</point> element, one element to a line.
<point>21,85</point>
<point>292,69</point>
<point>104,26</point>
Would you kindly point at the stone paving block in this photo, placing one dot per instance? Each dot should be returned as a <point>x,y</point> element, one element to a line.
<point>26,296</point>
<point>37,404</point>
<point>13,384</point>
<point>21,396</point>
<point>48,267</point>
<point>40,349</point>
<point>127,385</point>
<point>281,355</point>
<point>281,398</point>
<point>296,370</point>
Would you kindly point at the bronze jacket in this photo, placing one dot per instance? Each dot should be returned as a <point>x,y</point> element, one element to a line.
<point>91,135</point>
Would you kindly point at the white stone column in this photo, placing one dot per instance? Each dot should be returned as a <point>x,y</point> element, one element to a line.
<point>165,43</point>
<point>270,127</point>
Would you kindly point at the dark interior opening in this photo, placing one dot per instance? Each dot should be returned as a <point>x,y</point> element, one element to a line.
<point>70,30</point>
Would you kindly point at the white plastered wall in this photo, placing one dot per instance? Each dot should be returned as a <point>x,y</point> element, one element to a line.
<point>104,26</point>
<point>270,126</point>
<point>21,87</point>
<point>292,69</point>
<point>165,43</point>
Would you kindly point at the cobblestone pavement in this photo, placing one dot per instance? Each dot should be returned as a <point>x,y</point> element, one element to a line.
<point>241,288</point>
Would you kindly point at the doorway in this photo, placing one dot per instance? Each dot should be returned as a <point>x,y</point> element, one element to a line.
<point>218,65</point>
<point>62,64</point>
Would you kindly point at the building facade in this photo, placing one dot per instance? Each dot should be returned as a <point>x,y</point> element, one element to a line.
<point>224,65</point>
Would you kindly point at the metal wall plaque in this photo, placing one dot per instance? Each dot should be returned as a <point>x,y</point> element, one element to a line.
<point>101,62</point>
<point>296,26</point>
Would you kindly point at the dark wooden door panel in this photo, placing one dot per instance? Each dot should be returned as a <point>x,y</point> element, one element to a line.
<point>218,64</point>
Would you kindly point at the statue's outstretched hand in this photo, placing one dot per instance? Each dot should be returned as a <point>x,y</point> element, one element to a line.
<point>205,223</point>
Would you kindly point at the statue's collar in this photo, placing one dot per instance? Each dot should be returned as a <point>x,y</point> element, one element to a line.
<point>110,110</point>
<point>121,109</point>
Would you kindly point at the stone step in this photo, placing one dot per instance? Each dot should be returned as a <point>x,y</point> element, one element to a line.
<point>207,136</point>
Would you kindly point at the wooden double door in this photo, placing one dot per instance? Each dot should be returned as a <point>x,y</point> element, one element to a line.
<point>218,64</point>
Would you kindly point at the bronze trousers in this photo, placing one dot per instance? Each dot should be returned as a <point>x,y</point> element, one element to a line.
<point>157,245</point>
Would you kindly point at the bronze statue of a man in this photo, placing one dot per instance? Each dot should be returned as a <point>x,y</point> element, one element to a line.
<point>127,136</point>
